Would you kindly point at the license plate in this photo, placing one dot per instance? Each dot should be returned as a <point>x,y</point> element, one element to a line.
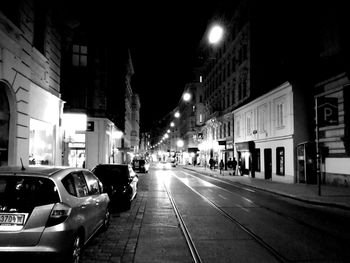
<point>11,219</point>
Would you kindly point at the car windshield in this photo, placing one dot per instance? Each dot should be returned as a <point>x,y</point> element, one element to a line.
<point>23,193</point>
<point>112,173</point>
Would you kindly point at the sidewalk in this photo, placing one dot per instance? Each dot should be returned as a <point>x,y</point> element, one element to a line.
<point>332,196</point>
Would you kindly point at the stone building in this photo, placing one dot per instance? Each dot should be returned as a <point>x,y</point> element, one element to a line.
<point>30,95</point>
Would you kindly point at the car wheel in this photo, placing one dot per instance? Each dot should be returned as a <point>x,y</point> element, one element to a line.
<point>76,251</point>
<point>106,220</point>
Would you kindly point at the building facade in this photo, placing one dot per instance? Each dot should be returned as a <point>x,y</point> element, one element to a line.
<point>31,107</point>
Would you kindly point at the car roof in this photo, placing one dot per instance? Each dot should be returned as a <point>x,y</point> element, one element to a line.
<point>112,165</point>
<point>37,170</point>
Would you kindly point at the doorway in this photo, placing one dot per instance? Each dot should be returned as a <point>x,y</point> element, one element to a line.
<point>268,163</point>
<point>4,126</point>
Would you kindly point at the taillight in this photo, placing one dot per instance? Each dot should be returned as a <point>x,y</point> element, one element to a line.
<point>59,214</point>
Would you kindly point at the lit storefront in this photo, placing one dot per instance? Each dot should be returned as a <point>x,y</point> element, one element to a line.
<point>74,126</point>
<point>41,143</point>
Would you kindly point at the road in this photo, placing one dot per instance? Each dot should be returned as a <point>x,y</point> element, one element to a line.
<point>183,216</point>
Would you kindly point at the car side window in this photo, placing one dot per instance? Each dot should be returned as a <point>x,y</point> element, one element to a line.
<point>68,183</point>
<point>93,183</point>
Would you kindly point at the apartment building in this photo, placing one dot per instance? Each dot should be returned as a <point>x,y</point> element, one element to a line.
<point>30,96</point>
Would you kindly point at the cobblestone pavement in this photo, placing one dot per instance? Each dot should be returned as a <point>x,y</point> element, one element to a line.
<point>118,243</point>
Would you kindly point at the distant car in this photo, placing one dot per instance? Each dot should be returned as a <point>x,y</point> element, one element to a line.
<point>51,211</point>
<point>164,165</point>
<point>120,182</point>
<point>141,166</point>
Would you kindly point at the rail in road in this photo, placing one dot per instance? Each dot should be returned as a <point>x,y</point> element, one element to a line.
<point>326,242</point>
<point>191,245</point>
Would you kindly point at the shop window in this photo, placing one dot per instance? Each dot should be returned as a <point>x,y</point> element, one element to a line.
<point>41,143</point>
<point>280,161</point>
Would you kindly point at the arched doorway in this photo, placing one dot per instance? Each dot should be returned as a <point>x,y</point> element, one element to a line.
<point>4,125</point>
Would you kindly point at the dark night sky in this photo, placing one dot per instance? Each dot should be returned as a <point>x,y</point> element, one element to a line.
<point>163,37</point>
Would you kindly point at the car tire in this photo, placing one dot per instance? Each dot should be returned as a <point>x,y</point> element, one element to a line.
<point>76,250</point>
<point>106,220</point>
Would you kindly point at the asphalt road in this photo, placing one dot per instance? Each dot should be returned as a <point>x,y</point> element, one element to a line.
<point>182,216</point>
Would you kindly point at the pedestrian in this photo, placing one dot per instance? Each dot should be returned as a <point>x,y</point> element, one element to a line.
<point>221,165</point>
<point>234,166</point>
<point>211,163</point>
<point>230,165</point>
<point>240,166</point>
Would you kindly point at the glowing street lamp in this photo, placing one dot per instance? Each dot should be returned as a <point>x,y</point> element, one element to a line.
<point>216,34</point>
<point>177,114</point>
<point>180,143</point>
<point>172,124</point>
<point>186,96</point>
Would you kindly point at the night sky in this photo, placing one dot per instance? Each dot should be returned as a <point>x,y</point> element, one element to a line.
<point>163,37</point>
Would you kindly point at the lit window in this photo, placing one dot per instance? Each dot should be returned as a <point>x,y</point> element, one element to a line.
<point>200,118</point>
<point>79,56</point>
<point>280,161</point>
<point>200,79</point>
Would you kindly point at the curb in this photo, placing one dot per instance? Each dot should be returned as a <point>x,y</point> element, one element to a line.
<point>308,201</point>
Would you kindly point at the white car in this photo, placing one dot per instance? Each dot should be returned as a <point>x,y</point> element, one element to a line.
<point>49,211</point>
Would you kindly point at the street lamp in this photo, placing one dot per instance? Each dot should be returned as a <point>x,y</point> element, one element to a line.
<point>177,114</point>
<point>186,96</point>
<point>216,34</point>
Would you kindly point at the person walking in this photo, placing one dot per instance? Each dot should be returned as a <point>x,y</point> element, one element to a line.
<point>230,166</point>
<point>234,166</point>
<point>221,165</point>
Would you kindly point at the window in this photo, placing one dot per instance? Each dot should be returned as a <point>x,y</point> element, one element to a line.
<point>92,183</point>
<point>280,161</point>
<point>249,128</point>
<point>39,26</point>
<point>79,56</point>
<point>200,118</point>
<point>80,184</point>
<point>279,113</point>
<point>229,129</point>
<point>262,119</point>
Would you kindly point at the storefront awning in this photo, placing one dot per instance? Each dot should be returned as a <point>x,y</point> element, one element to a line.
<point>245,146</point>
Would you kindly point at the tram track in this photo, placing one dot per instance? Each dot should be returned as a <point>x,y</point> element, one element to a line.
<point>279,213</point>
<point>194,252</point>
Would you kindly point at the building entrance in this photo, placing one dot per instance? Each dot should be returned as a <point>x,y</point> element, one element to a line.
<point>4,125</point>
<point>268,163</point>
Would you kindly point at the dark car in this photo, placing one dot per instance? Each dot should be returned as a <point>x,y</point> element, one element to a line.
<point>141,166</point>
<point>49,211</point>
<point>120,182</point>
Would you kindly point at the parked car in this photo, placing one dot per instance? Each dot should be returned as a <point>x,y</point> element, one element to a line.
<point>141,166</point>
<point>120,182</point>
<point>50,211</point>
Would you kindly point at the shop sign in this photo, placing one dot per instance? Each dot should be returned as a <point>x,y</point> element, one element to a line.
<point>327,111</point>
<point>222,142</point>
<point>90,126</point>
